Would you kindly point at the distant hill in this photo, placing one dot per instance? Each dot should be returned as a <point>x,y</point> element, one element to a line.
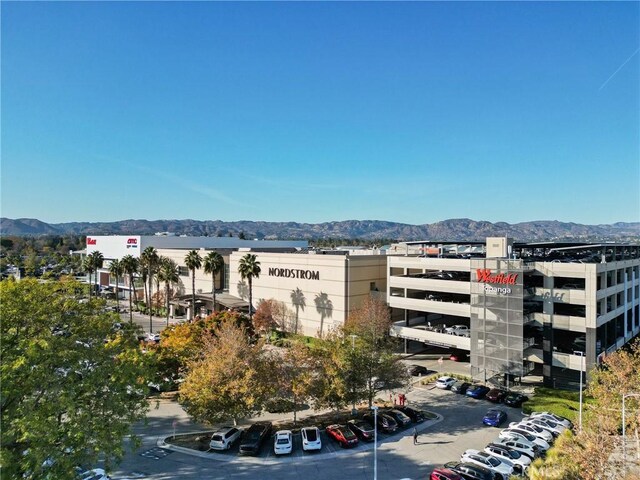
<point>446,230</point>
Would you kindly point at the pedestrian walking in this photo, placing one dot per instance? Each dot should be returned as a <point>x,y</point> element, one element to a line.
<point>415,436</point>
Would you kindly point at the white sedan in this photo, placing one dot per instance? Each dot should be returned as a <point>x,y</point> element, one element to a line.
<point>550,416</point>
<point>519,460</point>
<point>518,433</point>
<point>445,382</point>
<point>311,438</point>
<point>489,461</point>
<point>546,424</point>
<point>283,442</point>
<point>533,430</point>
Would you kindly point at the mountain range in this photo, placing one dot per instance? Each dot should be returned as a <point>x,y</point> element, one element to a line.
<point>446,230</point>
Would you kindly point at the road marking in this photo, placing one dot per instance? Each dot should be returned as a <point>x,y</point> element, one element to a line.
<point>156,453</point>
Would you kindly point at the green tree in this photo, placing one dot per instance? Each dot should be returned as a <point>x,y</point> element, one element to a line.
<point>148,265</point>
<point>193,261</point>
<point>373,366</point>
<point>116,270</point>
<point>169,274</point>
<point>249,268</point>
<point>213,263</point>
<point>130,267</point>
<point>93,262</point>
<point>232,380</point>
<point>68,396</point>
<point>296,371</point>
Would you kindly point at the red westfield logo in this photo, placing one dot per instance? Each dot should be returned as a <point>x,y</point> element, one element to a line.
<point>91,241</point>
<point>485,276</point>
<point>132,241</point>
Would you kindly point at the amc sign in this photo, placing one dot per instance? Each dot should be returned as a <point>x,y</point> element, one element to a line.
<point>132,243</point>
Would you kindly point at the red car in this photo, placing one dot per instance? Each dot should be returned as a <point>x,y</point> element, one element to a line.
<point>341,434</point>
<point>444,474</point>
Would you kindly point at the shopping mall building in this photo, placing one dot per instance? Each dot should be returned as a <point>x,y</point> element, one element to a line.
<point>548,308</point>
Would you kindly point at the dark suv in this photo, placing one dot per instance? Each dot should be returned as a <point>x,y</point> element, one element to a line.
<point>253,438</point>
<point>385,423</point>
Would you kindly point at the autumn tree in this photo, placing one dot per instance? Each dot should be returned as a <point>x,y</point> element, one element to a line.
<point>373,367</point>
<point>71,386</point>
<point>296,371</point>
<point>271,314</point>
<point>232,379</point>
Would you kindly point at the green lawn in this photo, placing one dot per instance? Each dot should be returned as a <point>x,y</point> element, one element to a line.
<point>561,402</point>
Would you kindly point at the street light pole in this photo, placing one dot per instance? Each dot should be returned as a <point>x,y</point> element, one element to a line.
<point>581,363</point>
<point>375,441</point>
<point>353,387</point>
<point>624,438</point>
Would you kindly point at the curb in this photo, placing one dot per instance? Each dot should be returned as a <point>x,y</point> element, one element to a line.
<point>270,460</point>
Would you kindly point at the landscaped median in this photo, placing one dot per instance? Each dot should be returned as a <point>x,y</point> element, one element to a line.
<point>197,443</point>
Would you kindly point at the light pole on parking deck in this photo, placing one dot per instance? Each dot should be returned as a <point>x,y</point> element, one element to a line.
<point>581,363</point>
<point>354,412</point>
<point>375,441</point>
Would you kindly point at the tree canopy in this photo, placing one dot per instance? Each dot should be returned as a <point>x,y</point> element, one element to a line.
<point>71,386</point>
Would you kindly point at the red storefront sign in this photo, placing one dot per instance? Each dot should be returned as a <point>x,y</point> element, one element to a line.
<point>132,241</point>
<point>91,241</point>
<point>484,275</point>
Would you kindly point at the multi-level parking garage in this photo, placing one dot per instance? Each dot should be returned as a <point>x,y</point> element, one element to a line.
<point>549,308</point>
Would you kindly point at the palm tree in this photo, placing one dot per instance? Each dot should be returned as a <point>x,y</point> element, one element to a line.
<point>94,261</point>
<point>130,268</point>
<point>169,274</point>
<point>193,261</point>
<point>87,264</point>
<point>249,267</point>
<point>149,258</point>
<point>116,269</point>
<point>213,263</point>
<point>298,300</point>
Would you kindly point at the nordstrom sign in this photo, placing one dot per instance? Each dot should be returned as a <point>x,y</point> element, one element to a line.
<point>294,273</point>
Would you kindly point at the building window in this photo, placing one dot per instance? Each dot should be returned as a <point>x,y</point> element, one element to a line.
<point>183,271</point>
<point>226,277</point>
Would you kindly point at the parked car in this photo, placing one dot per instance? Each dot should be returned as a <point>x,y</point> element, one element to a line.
<point>416,416</point>
<point>496,395</point>
<point>488,461</point>
<point>477,391</point>
<point>310,438</point>
<point>521,445</point>
<point>254,437</point>
<point>459,330</point>
<point>494,417</point>
<point>224,438</point>
<point>520,461</point>
<point>93,474</point>
<point>416,370</point>
<point>445,474</point>
<point>547,425</point>
<point>401,419</point>
<point>283,442</point>
<point>519,433</point>
<point>460,387</point>
<point>470,471</point>
<point>445,382</point>
<point>362,429</point>
<point>514,399</point>
<point>533,430</point>
<point>152,337</point>
<point>385,422</point>
<point>342,435</point>
<point>553,417</point>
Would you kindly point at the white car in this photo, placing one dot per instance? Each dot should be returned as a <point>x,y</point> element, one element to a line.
<point>94,474</point>
<point>487,460</point>
<point>519,460</point>
<point>554,418</point>
<point>445,382</point>
<point>459,330</point>
<point>224,438</point>
<point>552,427</point>
<point>533,430</point>
<point>153,337</point>
<point>283,442</point>
<point>523,446</point>
<point>311,438</point>
<point>542,444</point>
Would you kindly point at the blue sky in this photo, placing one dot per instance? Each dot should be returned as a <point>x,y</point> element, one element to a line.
<point>412,112</point>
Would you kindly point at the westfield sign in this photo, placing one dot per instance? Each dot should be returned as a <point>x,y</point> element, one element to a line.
<point>484,275</point>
